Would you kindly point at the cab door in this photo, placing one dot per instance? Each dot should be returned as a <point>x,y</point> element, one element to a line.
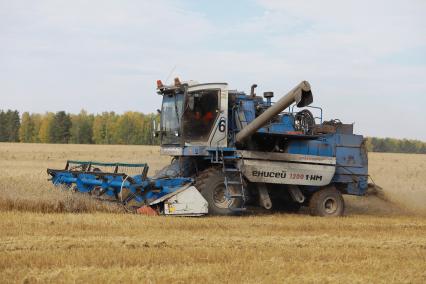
<point>205,115</point>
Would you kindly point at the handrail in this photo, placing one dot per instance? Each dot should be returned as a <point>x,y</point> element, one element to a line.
<point>315,107</point>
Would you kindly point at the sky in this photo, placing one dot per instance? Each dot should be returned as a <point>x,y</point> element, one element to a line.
<point>365,60</point>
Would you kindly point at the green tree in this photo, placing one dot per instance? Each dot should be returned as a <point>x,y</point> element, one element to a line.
<point>104,126</point>
<point>26,131</point>
<point>9,126</point>
<point>82,128</point>
<point>60,130</point>
<point>130,128</point>
<point>408,146</point>
<point>3,123</point>
<point>15,124</point>
<point>392,145</point>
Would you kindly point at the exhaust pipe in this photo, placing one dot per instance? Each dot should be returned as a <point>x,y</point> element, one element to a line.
<point>301,94</point>
<point>252,89</point>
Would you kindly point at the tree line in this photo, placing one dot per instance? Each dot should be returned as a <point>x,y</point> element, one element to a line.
<point>127,128</point>
<point>392,145</point>
<point>83,128</point>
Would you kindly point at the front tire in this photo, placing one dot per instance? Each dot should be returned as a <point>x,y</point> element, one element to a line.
<point>327,202</point>
<point>210,183</point>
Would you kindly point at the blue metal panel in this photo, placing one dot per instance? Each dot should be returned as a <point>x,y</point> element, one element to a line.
<point>285,126</point>
<point>288,121</point>
<point>348,140</point>
<point>249,110</point>
<point>311,147</point>
<point>349,157</point>
<point>351,163</point>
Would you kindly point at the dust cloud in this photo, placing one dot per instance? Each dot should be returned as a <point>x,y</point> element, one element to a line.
<point>381,201</point>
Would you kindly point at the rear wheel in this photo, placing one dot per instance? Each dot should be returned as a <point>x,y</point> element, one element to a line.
<point>327,202</point>
<point>210,183</point>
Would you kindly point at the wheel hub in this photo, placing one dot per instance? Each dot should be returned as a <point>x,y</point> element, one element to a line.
<point>220,199</point>
<point>330,205</point>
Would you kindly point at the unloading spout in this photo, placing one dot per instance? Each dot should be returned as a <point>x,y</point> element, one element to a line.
<point>301,94</point>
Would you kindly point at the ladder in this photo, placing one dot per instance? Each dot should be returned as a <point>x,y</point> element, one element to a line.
<point>233,176</point>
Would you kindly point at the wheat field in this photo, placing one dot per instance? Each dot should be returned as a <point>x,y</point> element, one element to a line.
<point>50,236</point>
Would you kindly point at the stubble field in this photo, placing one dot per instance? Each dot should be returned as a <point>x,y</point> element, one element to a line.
<point>51,236</point>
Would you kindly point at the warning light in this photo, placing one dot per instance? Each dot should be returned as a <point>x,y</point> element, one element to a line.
<point>177,82</point>
<point>159,84</point>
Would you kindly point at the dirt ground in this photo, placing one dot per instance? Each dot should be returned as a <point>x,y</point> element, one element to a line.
<point>51,236</point>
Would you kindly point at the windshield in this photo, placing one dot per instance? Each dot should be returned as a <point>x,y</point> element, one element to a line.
<point>171,113</point>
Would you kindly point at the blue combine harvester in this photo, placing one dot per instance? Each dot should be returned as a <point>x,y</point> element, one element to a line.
<point>234,151</point>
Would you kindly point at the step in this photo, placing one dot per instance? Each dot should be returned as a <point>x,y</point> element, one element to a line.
<point>230,170</point>
<point>234,195</point>
<point>233,182</point>
<point>231,157</point>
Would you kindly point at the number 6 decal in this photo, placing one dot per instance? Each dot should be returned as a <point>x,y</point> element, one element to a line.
<point>222,124</point>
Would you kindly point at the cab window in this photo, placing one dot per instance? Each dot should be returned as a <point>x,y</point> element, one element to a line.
<point>201,111</point>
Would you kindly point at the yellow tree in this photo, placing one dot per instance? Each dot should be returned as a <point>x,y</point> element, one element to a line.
<point>36,120</point>
<point>104,126</point>
<point>26,131</point>
<point>130,128</point>
<point>45,127</point>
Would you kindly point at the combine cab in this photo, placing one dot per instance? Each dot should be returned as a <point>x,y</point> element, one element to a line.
<point>234,151</point>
